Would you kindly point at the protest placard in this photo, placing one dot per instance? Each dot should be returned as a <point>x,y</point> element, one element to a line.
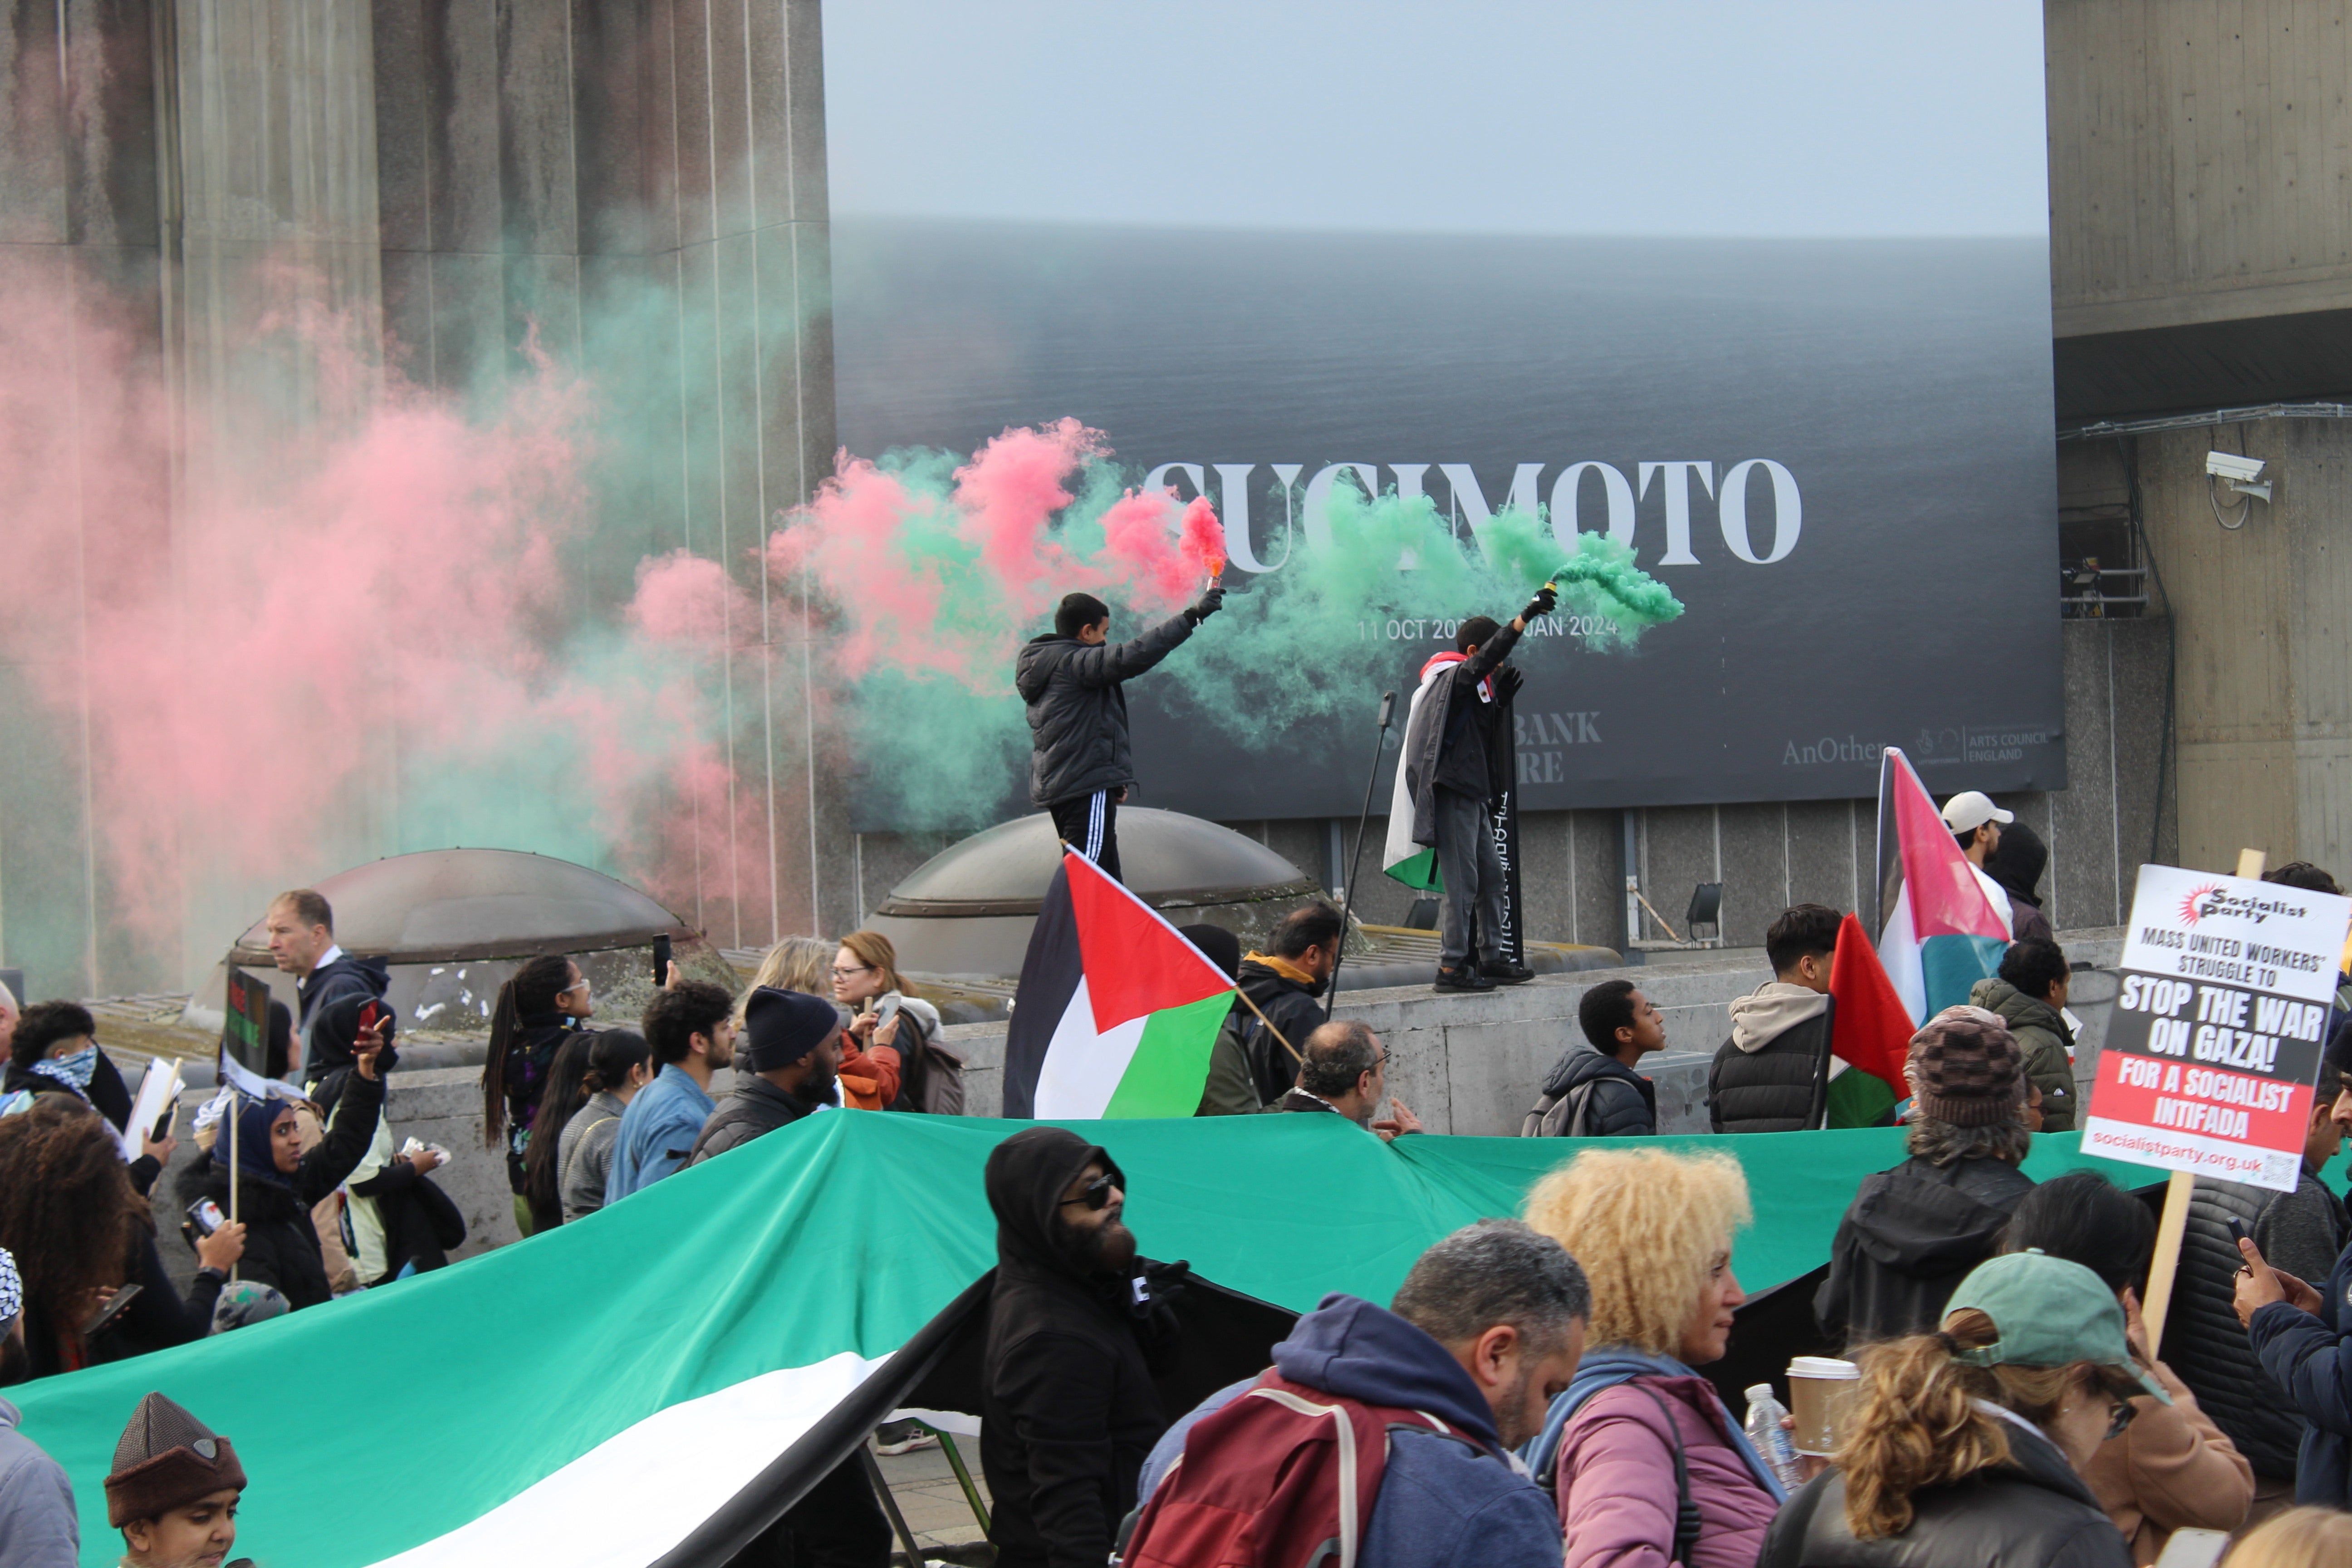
<point>2212,1053</point>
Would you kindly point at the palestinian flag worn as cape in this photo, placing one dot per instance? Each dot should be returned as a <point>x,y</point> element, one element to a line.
<point>1938,932</point>
<point>1117,1013</point>
<point>1415,865</point>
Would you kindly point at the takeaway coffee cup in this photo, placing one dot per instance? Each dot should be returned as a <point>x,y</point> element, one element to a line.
<point>1820,1391</point>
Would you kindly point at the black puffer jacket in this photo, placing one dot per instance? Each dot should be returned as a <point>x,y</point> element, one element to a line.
<point>1293,1006</point>
<point>2301,1232</point>
<point>1779,1084</point>
<point>1069,1411</point>
<point>282,1246</point>
<point>1077,714</point>
<point>755,1107</point>
<point>1625,1104</point>
<point>1909,1237</point>
<point>2032,1511</point>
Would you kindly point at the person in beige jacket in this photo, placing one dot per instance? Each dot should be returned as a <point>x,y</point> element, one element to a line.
<point>2169,1468</point>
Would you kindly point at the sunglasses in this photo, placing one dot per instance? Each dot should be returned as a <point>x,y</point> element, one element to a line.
<point>1096,1194</point>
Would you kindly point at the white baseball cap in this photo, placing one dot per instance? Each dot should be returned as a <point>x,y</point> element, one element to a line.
<point>1971,809</point>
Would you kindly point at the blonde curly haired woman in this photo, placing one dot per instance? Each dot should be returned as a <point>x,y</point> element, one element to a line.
<point>1654,1231</point>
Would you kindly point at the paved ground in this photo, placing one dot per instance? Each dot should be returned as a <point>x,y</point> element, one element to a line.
<point>934,1504</point>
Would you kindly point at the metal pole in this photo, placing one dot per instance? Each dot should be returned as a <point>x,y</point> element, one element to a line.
<point>963,1476</point>
<point>1348,904</point>
<point>890,1504</point>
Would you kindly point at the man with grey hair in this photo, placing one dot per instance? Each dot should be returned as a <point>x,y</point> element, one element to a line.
<point>1484,1332</point>
<point>1343,1068</point>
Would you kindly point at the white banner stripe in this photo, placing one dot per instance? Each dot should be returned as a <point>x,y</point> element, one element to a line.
<point>1081,1069</point>
<point>638,1494</point>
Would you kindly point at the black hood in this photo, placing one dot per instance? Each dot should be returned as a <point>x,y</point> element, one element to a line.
<point>2017,861</point>
<point>1037,661</point>
<point>1026,1175</point>
<point>1918,1220</point>
<point>1580,1064</point>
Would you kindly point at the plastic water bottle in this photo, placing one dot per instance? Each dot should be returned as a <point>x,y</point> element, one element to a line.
<point>1771,1439</point>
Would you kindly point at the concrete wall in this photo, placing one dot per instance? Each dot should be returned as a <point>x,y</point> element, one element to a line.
<point>2197,162</point>
<point>459,186</point>
<point>2265,721</point>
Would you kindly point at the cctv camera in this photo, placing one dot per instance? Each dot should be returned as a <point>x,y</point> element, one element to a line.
<point>2230,466</point>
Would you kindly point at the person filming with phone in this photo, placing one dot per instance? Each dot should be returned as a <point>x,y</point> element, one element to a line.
<point>273,1183</point>
<point>885,1055</point>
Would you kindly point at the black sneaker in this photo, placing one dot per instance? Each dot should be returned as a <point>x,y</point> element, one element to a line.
<point>1503,972</point>
<point>1462,979</point>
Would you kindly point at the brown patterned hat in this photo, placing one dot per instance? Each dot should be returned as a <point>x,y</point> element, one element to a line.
<point>167,1460</point>
<point>1966,1069</point>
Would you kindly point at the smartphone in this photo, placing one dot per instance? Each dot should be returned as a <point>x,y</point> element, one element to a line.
<point>103,1318</point>
<point>206,1216</point>
<point>2238,1230</point>
<point>164,1124</point>
<point>884,1009</point>
<point>2194,1549</point>
<point>371,1015</point>
<point>661,961</point>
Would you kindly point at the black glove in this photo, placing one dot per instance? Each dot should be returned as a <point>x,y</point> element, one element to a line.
<point>1162,1282</point>
<point>1507,682</point>
<point>1545,597</point>
<point>1211,603</point>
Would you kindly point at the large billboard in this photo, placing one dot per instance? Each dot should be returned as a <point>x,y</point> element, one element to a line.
<point>1765,295</point>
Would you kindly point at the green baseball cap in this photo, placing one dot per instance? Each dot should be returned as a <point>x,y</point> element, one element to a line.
<point>2048,1312</point>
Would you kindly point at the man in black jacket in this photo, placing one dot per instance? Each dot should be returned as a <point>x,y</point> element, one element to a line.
<point>1075,1322</point>
<point>1773,1074</point>
<point>1597,1093</point>
<point>1286,982</point>
<point>301,926</point>
<point>1448,775</point>
<point>1913,1231</point>
<point>785,1061</point>
<point>1081,764</point>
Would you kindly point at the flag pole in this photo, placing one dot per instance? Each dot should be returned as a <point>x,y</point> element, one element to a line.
<point>1347,894</point>
<point>233,1119</point>
<point>2166,1263</point>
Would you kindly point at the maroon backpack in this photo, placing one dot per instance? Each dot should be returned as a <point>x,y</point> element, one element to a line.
<point>1283,1477</point>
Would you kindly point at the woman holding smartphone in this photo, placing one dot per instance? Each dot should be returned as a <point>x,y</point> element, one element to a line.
<point>885,1054</point>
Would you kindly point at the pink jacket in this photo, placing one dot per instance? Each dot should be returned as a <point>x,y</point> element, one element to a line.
<point>1616,1480</point>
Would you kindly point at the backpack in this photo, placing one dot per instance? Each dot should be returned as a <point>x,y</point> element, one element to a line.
<point>1560,1115</point>
<point>1284,1477</point>
<point>930,1076</point>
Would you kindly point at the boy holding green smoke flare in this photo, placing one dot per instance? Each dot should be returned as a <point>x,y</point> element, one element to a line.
<point>1449,773</point>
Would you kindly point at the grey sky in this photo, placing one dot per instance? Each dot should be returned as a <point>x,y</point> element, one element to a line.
<point>1657,117</point>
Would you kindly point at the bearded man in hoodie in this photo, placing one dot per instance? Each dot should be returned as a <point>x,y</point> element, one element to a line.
<point>1773,1074</point>
<point>1077,1326</point>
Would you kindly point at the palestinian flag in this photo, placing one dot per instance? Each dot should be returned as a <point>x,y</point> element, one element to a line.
<point>655,1383</point>
<point>1115,1013</point>
<point>1414,865</point>
<point>1870,1033</point>
<point>1938,935</point>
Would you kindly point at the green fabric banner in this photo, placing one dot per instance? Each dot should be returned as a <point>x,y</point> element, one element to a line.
<point>382,1421</point>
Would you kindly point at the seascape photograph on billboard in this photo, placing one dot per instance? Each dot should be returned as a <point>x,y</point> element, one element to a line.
<point>1763,297</point>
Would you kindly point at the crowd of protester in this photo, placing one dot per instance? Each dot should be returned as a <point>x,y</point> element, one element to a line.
<point>1537,1391</point>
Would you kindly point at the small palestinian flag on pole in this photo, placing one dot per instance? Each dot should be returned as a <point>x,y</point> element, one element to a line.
<point>1870,1033</point>
<point>1115,1013</point>
<point>1938,932</point>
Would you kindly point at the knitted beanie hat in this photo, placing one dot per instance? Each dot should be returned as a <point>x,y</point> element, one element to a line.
<point>1966,1069</point>
<point>167,1460</point>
